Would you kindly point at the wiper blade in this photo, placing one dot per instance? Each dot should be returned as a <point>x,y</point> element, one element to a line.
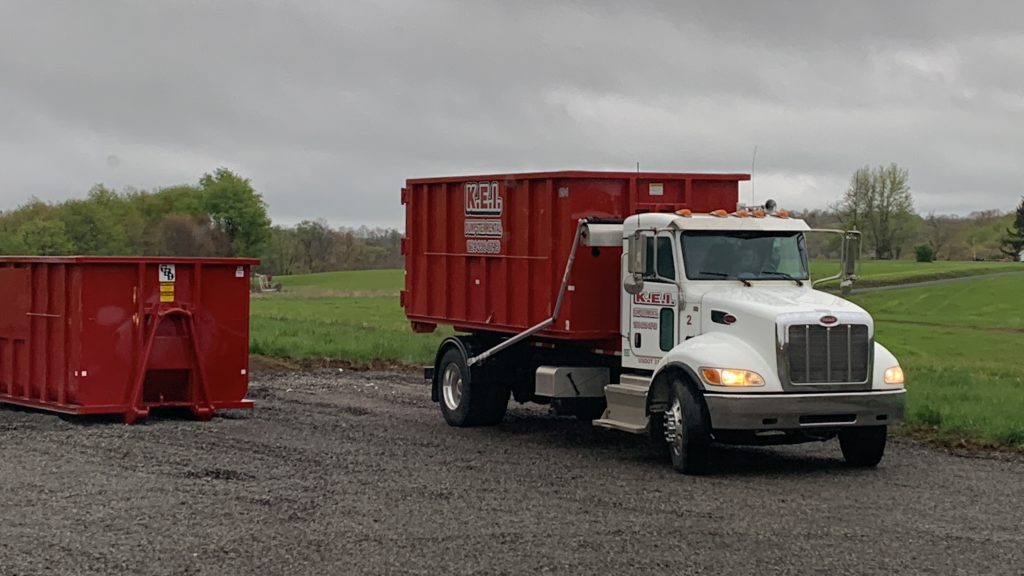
<point>798,281</point>
<point>723,275</point>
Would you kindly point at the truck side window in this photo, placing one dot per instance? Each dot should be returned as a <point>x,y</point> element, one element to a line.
<point>661,263</point>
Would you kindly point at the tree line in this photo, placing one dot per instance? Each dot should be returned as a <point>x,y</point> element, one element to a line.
<point>222,215</point>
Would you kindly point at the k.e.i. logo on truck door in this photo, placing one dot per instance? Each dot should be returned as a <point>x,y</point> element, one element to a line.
<point>655,298</point>
<point>483,227</point>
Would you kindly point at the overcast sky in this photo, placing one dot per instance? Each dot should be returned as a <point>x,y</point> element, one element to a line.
<point>328,106</point>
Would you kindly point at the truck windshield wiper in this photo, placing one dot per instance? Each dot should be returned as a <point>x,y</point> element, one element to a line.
<point>798,281</point>
<point>723,275</point>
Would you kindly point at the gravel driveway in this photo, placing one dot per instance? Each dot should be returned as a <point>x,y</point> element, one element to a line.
<point>356,473</point>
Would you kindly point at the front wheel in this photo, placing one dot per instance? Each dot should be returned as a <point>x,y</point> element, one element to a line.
<point>465,402</point>
<point>863,447</point>
<point>686,430</point>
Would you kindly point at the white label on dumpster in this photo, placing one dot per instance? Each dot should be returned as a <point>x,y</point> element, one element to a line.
<point>240,272</point>
<point>166,272</point>
<point>656,189</point>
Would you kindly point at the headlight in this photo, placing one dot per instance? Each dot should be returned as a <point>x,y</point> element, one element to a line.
<point>894,376</point>
<point>731,377</point>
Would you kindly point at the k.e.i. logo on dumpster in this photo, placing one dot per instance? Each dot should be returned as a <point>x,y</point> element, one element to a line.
<point>483,229</point>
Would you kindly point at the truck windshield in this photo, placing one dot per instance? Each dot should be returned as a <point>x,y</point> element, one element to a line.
<point>717,255</point>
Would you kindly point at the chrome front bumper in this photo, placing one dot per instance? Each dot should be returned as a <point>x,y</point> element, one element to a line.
<point>793,411</point>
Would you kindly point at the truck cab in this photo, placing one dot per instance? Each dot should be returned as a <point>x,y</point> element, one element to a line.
<point>724,338</point>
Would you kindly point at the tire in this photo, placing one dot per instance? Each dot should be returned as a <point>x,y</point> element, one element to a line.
<point>687,431</point>
<point>465,402</point>
<point>863,447</point>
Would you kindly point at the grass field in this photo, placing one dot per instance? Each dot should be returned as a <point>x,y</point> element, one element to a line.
<point>960,343</point>
<point>961,346</point>
<point>362,281</point>
<point>361,331</point>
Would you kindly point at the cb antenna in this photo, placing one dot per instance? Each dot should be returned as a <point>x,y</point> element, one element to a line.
<point>753,162</point>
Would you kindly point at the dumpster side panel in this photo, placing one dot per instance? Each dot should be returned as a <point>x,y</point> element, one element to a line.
<point>35,332</point>
<point>110,343</point>
<point>487,253</point>
<point>224,331</point>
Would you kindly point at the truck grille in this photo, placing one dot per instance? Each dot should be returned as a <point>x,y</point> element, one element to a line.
<point>828,354</point>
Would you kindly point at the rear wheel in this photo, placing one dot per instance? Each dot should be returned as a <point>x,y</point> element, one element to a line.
<point>686,430</point>
<point>863,447</point>
<point>465,402</point>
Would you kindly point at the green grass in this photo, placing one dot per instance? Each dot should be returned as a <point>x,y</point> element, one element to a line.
<point>363,331</point>
<point>987,302</point>
<point>382,282</point>
<point>890,272</point>
<point>960,345</point>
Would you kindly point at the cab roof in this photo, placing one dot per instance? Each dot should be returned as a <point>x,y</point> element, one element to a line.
<point>709,222</point>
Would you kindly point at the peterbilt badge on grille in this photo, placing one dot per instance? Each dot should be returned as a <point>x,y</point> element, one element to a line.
<point>828,320</point>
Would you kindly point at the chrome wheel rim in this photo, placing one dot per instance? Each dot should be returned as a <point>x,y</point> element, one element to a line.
<point>451,384</point>
<point>674,426</point>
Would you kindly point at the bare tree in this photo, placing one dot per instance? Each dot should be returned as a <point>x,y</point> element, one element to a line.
<point>879,203</point>
<point>939,231</point>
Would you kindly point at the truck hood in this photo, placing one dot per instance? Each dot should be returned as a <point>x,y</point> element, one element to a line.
<point>768,302</point>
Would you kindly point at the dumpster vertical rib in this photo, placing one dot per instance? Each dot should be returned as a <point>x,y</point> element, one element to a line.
<point>57,339</point>
<point>197,286</point>
<point>33,337</point>
<point>530,250</point>
<point>65,329</point>
<point>8,359</point>
<point>138,373</point>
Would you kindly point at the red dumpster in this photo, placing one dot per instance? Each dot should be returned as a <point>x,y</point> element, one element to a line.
<point>98,335</point>
<point>498,245</point>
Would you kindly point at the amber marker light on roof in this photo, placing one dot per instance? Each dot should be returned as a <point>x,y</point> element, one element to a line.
<point>781,214</point>
<point>741,213</point>
<point>758,213</point>
<point>685,213</point>
<point>719,213</point>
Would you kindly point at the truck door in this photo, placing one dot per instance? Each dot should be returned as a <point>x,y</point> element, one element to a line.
<point>652,321</point>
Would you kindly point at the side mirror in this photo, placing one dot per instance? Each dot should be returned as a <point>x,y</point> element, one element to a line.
<point>851,253</point>
<point>637,264</point>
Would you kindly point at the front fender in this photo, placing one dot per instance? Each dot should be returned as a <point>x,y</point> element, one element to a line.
<point>720,350</point>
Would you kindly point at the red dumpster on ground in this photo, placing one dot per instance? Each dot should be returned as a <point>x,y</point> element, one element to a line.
<point>99,335</point>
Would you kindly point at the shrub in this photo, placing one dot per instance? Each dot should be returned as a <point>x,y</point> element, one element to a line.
<point>924,253</point>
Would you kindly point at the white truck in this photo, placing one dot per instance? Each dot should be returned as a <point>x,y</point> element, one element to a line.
<point>723,339</point>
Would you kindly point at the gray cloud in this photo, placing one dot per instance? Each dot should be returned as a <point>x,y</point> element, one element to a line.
<point>329,106</point>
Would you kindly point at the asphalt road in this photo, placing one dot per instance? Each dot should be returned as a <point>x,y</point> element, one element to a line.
<point>342,473</point>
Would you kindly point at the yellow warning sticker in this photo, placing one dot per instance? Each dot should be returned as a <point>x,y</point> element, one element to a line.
<point>166,292</point>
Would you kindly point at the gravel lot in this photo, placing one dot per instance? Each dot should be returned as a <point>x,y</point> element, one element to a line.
<point>356,473</point>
